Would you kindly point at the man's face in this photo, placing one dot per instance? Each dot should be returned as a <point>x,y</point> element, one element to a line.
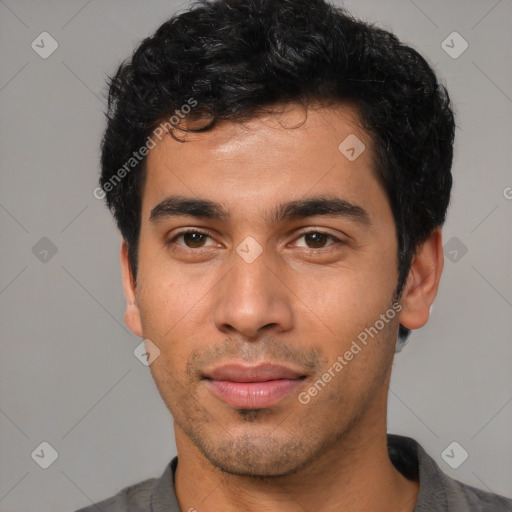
<point>256,287</point>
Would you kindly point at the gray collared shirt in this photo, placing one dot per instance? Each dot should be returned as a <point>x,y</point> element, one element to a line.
<point>438,491</point>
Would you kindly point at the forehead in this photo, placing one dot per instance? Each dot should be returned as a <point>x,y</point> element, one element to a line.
<point>270,158</point>
<point>286,126</point>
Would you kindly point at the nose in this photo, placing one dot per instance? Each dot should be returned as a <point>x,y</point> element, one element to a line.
<point>252,298</point>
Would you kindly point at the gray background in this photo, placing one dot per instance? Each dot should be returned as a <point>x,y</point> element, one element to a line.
<point>68,375</point>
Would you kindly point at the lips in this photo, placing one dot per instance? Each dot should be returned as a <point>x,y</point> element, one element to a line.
<point>260,373</point>
<point>252,387</point>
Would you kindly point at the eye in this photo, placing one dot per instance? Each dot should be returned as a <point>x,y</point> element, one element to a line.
<point>192,239</point>
<point>195,239</point>
<point>317,239</point>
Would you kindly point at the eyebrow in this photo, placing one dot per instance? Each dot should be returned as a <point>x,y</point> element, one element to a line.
<point>176,205</point>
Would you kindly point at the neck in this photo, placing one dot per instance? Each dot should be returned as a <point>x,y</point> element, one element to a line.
<point>355,473</point>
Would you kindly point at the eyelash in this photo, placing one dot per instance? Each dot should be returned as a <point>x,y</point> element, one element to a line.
<point>205,233</point>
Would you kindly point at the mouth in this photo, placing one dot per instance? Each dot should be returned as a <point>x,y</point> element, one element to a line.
<point>253,387</point>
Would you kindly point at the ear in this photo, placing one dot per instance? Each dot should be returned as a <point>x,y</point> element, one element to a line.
<point>422,282</point>
<point>132,314</point>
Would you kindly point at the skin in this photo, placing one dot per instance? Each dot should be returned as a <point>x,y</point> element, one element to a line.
<point>301,303</point>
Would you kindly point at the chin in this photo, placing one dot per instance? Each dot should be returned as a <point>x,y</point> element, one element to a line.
<point>256,469</point>
<point>258,457</point>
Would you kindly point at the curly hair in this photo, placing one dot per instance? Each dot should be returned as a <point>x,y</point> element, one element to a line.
<point>237,57</point>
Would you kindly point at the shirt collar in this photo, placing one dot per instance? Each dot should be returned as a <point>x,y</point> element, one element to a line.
<point>406,454</point>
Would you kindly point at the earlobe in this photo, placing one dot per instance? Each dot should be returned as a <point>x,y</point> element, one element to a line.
<point>132,314</point>
<point>422,282</point>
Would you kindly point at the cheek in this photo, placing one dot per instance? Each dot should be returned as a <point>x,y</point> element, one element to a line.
<point>173,306</point>
<point>344,301</point>
<point>163,292</point>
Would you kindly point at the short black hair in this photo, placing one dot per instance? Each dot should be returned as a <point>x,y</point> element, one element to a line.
<point>232,59</point>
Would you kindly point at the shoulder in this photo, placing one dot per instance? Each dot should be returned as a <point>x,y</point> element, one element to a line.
<point>156,494</point>
<point>439,492</point>
<point>461,496</point>
<point>135,498</point>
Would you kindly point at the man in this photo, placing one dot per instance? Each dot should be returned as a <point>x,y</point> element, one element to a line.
<point>280,173</point>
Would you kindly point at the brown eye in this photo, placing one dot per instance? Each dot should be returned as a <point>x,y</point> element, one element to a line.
<point>191,239</point>
<point>316,240</point>
<point>194,240</point>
